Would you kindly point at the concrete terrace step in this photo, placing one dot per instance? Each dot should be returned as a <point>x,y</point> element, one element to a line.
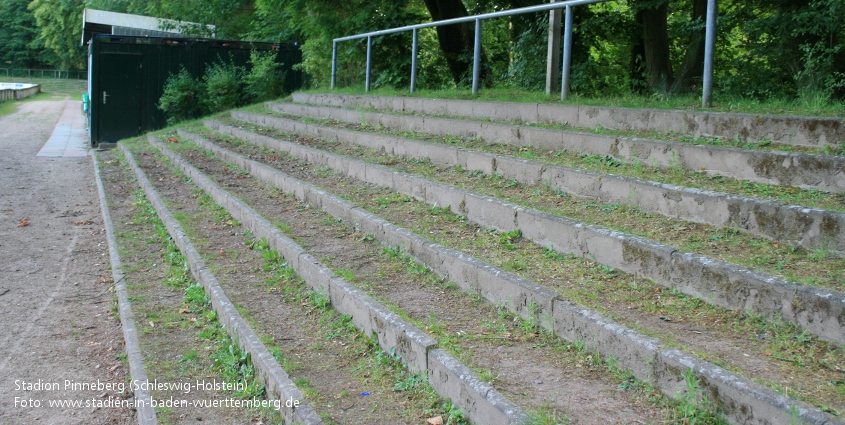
<point>811,227</point>
<point>447,375</point>
<point>786,129</point>
<point>146,414</point>
<point>275,380</point>
<point>742,400</point>
<point>807,171</point>
<point>733,287</point>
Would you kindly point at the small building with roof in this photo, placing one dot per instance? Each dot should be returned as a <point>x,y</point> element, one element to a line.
<point>130,58</point>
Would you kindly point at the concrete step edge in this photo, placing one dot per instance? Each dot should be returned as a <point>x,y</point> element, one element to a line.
<point>788,129</point>
<point>145,411</point>
<point>810,227</point>
<point>276,381</point>
<point>816,309</point>
<point>640,354</point>
<point>806,171</point>
<point>412,344</point>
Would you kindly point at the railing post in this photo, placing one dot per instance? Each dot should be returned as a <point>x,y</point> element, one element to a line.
<point>334,63</point>
<point>414,50</point>
<point>476,58</point>
<point>553,55</point>
<point>369,62</point>
<point>709,46</point>
<point>567,54</point>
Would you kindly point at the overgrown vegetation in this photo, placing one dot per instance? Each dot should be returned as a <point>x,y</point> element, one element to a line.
<point>223,86</point>
<point>397,264</point>
<point>368,361</point>
<point>266,79</point>
<point>182,97</point>
<point>234,365</point>
<point>586,282</point>
<point>783,50</point>
<point>225,361</point>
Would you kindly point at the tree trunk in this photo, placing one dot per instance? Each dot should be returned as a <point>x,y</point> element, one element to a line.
<point>839,66</point>
<point>456,41</point>
<point>639,81</point>
<point>656,46</point>
<point>692,68</point>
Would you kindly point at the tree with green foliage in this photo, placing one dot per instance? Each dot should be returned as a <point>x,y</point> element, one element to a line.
<point>20,45</point>
<point>317,22</point>
<point>765,48</point>
<point>691,68</point>
<point>60,25</point>
<point>792,47</point>
<point>232,18</point>
<point>651,45</point>
<point>457,42</point>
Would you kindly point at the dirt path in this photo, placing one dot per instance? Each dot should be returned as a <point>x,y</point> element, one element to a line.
<point>56,322</point>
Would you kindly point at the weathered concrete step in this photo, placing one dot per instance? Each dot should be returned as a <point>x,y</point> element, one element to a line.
<point>447,375</point>
<point>742,400</point>
<point>276,382</point>
<point>820,311</point>
<point>786,129</point>
<point>810,227</point>
<point>146,414</point>
<point>821,172</point>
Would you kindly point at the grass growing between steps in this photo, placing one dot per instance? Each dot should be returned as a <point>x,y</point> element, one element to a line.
<point>738,142</point>
<point>612,292</point>
<point>233,365</point>
<point>687,407</point>
<point>670,136</point>
<point>690,102</point>
<point>378,371</point>
<point>818,267</point>
<point>604,164</point>
<point>592,284</point>
<point>175,334</point>
<point>393,265</point>
<point>788,350</point>
<point>390,370</point>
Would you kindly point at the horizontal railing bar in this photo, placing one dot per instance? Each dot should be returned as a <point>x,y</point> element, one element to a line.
<point>473,18</point>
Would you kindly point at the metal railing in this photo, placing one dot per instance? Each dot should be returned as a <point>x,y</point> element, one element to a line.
<point>567,44</point>
<point>43,73</point>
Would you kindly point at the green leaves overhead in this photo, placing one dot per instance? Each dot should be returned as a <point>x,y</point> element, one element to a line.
<point>793,49</point>
<point>19,42</point>
<point>60,24</point>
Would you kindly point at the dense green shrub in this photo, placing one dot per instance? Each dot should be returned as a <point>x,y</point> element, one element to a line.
<point>182,98</point>
<point>527,69</point>
<point>224,86</point>
<point>265,80</point>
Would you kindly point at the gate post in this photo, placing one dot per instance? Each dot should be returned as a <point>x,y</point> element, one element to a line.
<point>553,56</point>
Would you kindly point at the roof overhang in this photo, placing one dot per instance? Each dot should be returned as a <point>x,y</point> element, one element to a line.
<point>104,22</point>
